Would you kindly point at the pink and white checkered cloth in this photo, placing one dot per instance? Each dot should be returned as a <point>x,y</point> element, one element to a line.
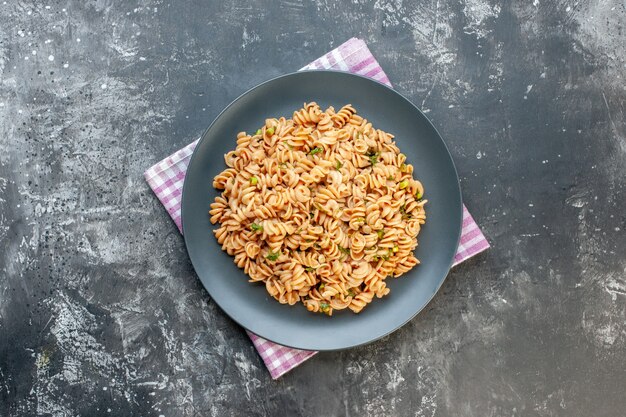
<point>166,180</point>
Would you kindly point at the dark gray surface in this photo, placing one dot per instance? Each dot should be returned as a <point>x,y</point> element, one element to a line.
<point>99,307</point>
<point>250,305</point>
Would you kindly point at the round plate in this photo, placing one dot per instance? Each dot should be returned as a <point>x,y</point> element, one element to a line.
<point>249,304</point>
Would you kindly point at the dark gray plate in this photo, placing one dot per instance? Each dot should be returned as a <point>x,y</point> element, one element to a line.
<point>249,304</point>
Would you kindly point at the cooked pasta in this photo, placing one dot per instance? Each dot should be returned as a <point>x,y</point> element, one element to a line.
<point>322,208</point>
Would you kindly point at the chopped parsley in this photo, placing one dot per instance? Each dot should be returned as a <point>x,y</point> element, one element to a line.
<point>373,157</point>
<point>405,215</point>
<point>272,256</point>
<point>309,269</point>
<point>338,165</point>
<point>344,250</point>
<point>270,131</point>
<point>403,184</point>
<point>378,258</point>
<point>380,234</point>
<point>315,151</point>
<point>351,293</point>
<point>384,257</point>
<point>254,180</point>
<point>324,307</point>
<point>256,227</point>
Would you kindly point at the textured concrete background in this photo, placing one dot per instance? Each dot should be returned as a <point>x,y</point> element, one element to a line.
<point>101,313</point>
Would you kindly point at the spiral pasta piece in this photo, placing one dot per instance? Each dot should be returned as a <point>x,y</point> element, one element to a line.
<point>343,116</point>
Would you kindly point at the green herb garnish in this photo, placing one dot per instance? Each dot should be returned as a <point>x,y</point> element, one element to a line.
<point>325,307</point>
<point>321,287</point>
<point>405,215</point>
<point>256,227</point>
<point>403,184</point>
<point>315,151</point>
<point>272,256</point>
<point>395,249</point>
<point>390,178</point>
<point>380,234</point>
<point>373,157</point>
<point>344,250</point>
<point>351,293</point>
<point>270,131</point>
<point>338,166</point>
<point>254,180</point>
<point>258,132</point>
<point>403,168</point>
<point>309,269</point>
<point>418,195</point>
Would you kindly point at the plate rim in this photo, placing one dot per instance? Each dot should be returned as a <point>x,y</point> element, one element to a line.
<point>401,96</point>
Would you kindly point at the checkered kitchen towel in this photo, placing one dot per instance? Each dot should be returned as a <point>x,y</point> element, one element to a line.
<point>166,180</point>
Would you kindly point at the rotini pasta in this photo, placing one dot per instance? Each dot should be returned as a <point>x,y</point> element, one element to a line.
<point>322,208</point>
